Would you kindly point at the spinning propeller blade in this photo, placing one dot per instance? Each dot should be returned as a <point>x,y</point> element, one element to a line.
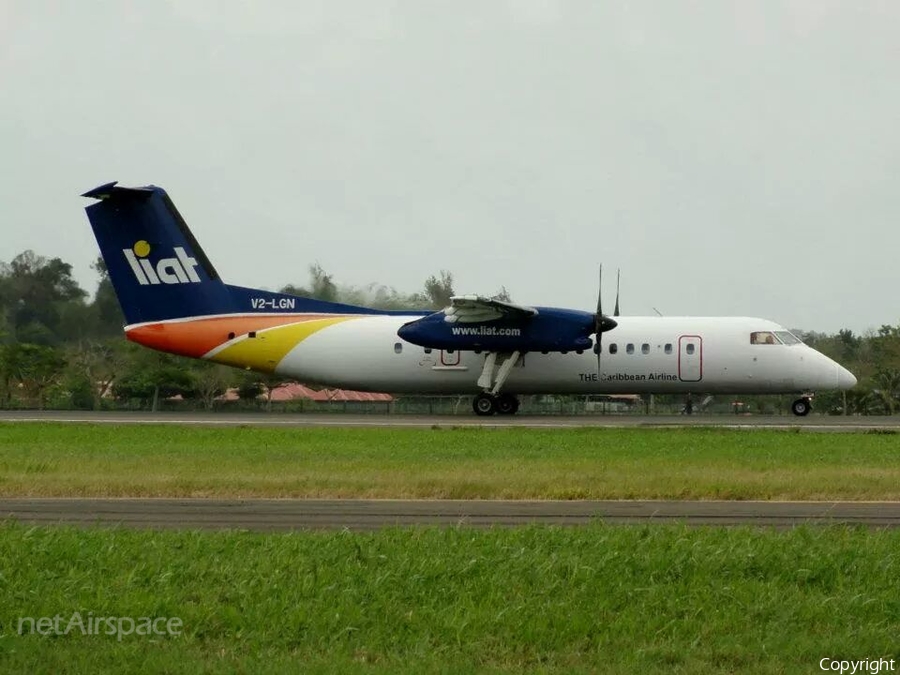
<point>598,319</point>
<point>616,308</point>
<point>603,323</point>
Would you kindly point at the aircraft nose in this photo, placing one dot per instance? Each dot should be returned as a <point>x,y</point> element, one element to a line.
<point>846,379</point>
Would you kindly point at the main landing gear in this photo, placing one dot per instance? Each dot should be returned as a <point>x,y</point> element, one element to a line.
<point>802,406</point>
<point>490,400</point>
<point>486,404</point>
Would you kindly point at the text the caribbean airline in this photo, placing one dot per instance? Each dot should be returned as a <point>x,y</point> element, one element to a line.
<point>174,301</point>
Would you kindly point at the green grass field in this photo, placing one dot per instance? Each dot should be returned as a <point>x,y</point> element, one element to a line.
<point>181,461</point>
<point>591,599</point>
<point>648,599</point>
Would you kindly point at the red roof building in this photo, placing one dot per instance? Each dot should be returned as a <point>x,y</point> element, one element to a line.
<point>291,392</point>
<point>294,392</point>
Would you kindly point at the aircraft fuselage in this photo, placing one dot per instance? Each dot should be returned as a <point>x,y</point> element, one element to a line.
<point>642,354</point>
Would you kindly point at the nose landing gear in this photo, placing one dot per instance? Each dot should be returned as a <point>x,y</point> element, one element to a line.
<point>801,406</point>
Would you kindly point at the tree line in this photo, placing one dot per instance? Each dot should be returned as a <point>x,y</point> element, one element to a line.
<point>62,347</point>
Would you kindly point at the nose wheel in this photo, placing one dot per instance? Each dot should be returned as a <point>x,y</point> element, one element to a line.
<point>801,407</point>
<point>486,404</point>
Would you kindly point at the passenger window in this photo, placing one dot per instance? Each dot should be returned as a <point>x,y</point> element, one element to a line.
<point>629,348</point>
<point>689,349</point>
<point>398,347</point>
<point>645,348</point>
<point>613,348</point>
<point>668,348</point>
<point>763,337</point>
<point>427,350</point>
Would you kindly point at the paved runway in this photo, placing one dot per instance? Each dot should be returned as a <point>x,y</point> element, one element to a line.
<point>293,514</point>
<point>812,423</point>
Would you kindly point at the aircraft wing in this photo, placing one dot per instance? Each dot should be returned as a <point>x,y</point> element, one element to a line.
<point>473,308</point>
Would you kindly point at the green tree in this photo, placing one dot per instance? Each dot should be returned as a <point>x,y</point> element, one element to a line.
<point>377,296</point>
<point>35,368</point>
<point>321,286</point>
<point>40,300</point>
<point>439,290</point>
<point>210,381</point>
<point>887,383</point>
<point>149,375</point>
<point>436,294</point>
<point>97,363</point>
<point>849,344</point>
<point>252,385</point>
<point>6,377</point>
<point>105,309</point>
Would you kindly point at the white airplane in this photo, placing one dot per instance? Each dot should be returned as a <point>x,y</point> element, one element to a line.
<point>174,301</point>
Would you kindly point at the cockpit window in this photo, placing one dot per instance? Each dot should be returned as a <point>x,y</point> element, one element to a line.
<point>763,337</point>
<point>787,337</point>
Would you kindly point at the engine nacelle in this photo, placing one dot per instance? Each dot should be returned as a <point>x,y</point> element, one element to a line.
<point>550,330</point>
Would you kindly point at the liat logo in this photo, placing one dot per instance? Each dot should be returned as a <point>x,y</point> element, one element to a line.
<point>177,270</point>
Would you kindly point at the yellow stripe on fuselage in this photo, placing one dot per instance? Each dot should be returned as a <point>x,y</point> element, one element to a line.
<point>265,351</point>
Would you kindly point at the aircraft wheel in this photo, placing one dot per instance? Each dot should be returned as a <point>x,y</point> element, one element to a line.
<point>507,404</point>
<point>484,405</point>
<point>801,407</point>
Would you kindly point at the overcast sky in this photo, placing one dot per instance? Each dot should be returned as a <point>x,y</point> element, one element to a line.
<point>733,158</point>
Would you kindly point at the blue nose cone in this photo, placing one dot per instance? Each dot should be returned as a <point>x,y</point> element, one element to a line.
<point>411,332</point>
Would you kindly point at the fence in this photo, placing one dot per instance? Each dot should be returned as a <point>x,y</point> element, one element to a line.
<point>459,405</point>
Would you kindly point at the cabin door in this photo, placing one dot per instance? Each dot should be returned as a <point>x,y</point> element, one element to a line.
<point>690,358</point>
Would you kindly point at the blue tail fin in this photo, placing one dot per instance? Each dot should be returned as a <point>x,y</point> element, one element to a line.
<point>155,264</point>
<point>159,271</point>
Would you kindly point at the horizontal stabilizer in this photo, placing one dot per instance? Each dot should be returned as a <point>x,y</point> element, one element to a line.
<point>111,191</point>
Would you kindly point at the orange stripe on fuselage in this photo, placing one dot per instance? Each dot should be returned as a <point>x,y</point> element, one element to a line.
<point>197,337</point>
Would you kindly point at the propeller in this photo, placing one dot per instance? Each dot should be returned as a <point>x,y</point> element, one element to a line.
<point>616,308</point>
<point>603,323</point>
